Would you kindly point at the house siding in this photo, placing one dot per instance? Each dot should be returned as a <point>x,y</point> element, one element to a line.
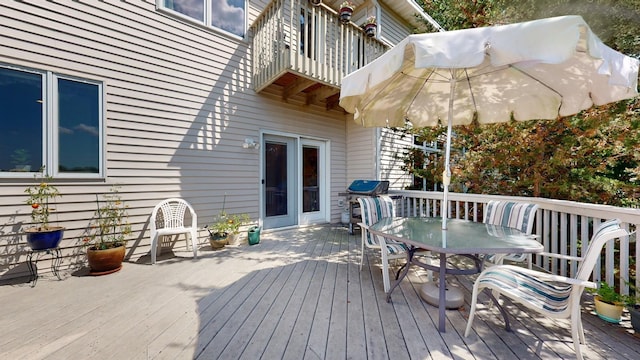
<point>373,154</point>
<point>178,105</point>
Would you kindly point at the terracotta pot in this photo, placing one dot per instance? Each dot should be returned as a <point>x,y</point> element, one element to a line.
<point>608,312</point>
<point>103,262</point>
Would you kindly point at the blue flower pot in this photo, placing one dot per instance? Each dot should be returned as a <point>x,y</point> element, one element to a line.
<point>42,240</point>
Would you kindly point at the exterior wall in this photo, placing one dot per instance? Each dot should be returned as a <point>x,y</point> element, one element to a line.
<point>393,29</point>
<point>392,151</point>
<point>178,105</point>
<point>370,157</point>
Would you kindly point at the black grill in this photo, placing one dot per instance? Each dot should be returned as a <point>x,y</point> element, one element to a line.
<point>366,188</point>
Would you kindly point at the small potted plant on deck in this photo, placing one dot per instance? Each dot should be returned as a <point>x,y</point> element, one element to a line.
<point>632,303</point>
<point>346,10</point>
<point>226,229</point>
<point>43,236</point>
<point>608,303</point>
<point>106,244</point>
<point>370,26</point>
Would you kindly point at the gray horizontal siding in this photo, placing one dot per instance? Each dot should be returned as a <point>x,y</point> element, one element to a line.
<point>178,104</point>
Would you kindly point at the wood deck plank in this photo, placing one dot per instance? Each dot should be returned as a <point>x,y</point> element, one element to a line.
<point>298,294</point>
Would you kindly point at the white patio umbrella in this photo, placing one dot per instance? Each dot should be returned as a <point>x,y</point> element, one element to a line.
<point>540,69</point>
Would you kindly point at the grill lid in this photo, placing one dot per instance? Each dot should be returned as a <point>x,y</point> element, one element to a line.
<point>369,187</point>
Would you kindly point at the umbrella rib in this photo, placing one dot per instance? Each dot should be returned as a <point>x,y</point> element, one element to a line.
<point>473,98</point>
<point>536,79</point>
<point>418,92</point>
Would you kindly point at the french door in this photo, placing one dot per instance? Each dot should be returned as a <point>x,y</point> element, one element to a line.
<point>294,181</point>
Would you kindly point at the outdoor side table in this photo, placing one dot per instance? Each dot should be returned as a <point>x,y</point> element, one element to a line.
<point>56,260</point>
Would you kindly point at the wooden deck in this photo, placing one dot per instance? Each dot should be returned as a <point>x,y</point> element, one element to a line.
<point>298,294</point>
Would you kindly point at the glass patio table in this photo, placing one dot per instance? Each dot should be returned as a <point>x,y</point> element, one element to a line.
<point>462,237</point>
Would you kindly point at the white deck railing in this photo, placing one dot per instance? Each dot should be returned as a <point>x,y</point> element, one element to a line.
<point>294,36</point>
<point>563,227</point>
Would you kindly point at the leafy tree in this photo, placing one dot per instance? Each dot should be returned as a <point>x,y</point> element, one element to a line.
<point>591,157</point>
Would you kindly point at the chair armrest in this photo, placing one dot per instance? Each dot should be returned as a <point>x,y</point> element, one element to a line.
<point>363,226</point>
<point>546,276</point>
<point>560,256</point>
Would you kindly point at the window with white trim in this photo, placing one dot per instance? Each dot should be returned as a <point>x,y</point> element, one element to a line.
<point>51,120</point>
<point>227,15</point>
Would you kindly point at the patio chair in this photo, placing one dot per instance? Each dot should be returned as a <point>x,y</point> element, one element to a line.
<point>551,295</point>
<point>373,209</point>
<point>168,218</point>
<point>511,214</point>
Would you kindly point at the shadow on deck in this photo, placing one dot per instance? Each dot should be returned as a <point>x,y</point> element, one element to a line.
<point>298,294</point>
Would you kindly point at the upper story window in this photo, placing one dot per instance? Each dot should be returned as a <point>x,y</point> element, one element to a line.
<point>50,120</point>
<point>227,15</point>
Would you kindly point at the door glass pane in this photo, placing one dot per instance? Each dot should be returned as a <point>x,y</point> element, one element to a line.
<point>79,127</point>
<point>276,179</point>
<point>310,173</point>
<point>21,107</point>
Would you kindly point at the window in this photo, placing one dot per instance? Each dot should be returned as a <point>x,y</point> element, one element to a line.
<point>226,15</point>
<point>51,120</point>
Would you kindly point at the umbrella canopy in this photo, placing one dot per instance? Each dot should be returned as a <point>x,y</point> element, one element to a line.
<point>539,69</point>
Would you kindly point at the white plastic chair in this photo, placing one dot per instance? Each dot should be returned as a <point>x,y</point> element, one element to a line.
<point>517,215</point>
<point>551,295</point>
<point>373,209</point>
<point>168,218</point>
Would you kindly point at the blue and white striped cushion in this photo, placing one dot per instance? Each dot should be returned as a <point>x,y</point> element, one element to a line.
<point>373,209</point>
<point>511,214</point>
<point>553,297</point>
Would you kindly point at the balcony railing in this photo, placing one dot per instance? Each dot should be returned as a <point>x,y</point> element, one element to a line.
<point>563,227</point>
<point>292,36</point>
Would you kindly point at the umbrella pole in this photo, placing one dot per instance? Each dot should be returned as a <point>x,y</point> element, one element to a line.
<point>446,175</point>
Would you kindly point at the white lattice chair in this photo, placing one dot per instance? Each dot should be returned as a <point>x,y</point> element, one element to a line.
<point>551,295</point>
<point>168,218</point>
<point>373,209</point>
<point>517,215</point>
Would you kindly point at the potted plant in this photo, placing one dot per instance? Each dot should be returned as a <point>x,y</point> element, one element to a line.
<point>370,26</point>
<point>42,236</point>
<point>608,303</point>
<point>346,10</point>
<point>226,229</point>
<point>106,244</point>
<point>632,303</point>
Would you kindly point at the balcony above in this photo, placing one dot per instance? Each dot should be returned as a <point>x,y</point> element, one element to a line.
<point>306,49</point>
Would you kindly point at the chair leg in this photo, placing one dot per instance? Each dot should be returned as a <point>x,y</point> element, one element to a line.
<point>193,244</point>
<point>472,311</point>
<point>154,245</point>
<point>362,240</point>
<point>576,333</point>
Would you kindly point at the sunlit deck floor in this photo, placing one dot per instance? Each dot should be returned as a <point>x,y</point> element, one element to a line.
<point>298,294</point>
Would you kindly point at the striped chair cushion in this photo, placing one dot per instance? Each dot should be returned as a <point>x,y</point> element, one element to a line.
<point>374,209</point>
<point>511,214</point>
<point>551,297</point>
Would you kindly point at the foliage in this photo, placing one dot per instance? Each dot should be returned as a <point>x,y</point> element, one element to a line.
<point>608,294</point>
<point>347,4</point>
<point>229,224</point>
<point>112,225</point>
<point>591,157</point>
<point>370,20</point>
<point>225,224</point>
<point>40,196</point>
